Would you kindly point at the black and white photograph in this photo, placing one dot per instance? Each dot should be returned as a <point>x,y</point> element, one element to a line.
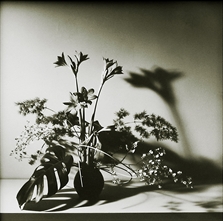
<point>111,110</point>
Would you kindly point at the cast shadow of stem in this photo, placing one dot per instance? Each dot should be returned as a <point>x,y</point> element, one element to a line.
<point>160,81</point>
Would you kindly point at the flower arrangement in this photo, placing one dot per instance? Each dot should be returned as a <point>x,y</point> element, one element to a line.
<point>70,140</point>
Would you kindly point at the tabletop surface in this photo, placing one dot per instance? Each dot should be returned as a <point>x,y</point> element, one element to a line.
<point>133,198</point>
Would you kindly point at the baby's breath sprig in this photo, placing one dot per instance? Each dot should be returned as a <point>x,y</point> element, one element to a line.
<point>155,172</point>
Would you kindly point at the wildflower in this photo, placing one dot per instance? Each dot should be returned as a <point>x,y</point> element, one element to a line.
<point>87,96</point>
<point>81,99</point>
<point>81,57</point>
<point>111,68</point>
<point>60,61</point>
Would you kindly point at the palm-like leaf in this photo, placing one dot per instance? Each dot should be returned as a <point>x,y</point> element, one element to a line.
<point>53,171</point>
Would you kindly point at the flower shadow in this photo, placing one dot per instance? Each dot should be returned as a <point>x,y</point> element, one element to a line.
<point>160,80</point>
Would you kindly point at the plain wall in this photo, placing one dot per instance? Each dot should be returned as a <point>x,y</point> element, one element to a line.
<point>176,36</point>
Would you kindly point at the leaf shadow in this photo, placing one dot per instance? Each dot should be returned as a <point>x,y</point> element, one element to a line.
<point>62,200</point>
<point>67,198</point>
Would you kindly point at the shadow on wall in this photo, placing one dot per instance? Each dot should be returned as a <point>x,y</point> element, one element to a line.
<point>160,81</point>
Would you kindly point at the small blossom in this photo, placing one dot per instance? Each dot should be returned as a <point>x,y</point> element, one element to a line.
<point>111,68</point>
<point>61,61</point>
<point>81,57</point>
<point>143,156</point>
<point>81,99</point>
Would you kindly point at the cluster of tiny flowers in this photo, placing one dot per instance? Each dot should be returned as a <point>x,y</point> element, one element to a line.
<point>31,133</point>
<point>153,172</point>
<point>116,179</point>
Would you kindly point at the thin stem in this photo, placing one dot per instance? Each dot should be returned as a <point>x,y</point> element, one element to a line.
<point>134,122</point>
<point>116,160</point>
<point>76,81</point>
<point>83,132</point>
<point>89,151</point>
<point>80,174</point>
<point>81,115</point>
<point>49,109</point>
<point>95,107</point>
<point>75,75</point>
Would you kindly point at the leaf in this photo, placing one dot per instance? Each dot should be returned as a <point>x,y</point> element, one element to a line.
<point>67,103</point>
<point>115,141</point>
<point>73,65</point>
<point>72,119</point>
<point>53,162</point>
<point>97,126</point>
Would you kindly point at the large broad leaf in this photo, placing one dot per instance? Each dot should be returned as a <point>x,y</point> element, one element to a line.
<point>49,177</point>
<point>114,141</point>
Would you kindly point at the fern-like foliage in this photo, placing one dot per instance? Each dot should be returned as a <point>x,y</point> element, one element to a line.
<point>53,170</point>
<point>145,126</point>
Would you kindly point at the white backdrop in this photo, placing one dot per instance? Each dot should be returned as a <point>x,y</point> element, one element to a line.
<point>183,36</point>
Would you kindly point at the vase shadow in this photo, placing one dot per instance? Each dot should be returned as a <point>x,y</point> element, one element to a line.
<point>67,198</point>
<point>203,172</point>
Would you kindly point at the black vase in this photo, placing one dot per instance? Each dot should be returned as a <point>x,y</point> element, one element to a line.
<point>88,182</point>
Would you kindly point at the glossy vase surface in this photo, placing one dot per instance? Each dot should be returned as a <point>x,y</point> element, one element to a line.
<point>88,182</point>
